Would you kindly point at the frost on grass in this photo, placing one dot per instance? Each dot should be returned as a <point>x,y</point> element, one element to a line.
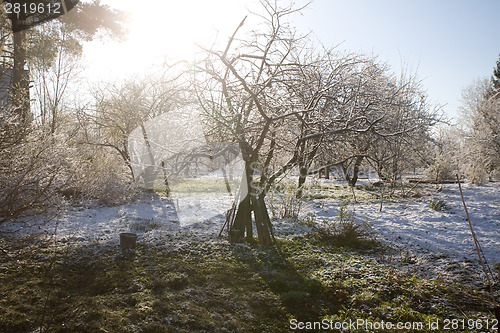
<point>184,276</point>
<point>438,241</point>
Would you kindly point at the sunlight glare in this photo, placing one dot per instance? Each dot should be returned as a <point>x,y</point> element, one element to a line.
<point>162,30</point>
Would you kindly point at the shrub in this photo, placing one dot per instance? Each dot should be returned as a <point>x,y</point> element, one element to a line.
<point>438,205</point>
<point>441,169</point>
<point>284,202</point>
<point>38,170</point>
<point>476,174</point>
<point>101,176</point>
<point>33,170</point>
<point>346,229</point>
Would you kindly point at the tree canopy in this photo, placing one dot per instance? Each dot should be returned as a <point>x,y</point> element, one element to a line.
<point>22,49</point>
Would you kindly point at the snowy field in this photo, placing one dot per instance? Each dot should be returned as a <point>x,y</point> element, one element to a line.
<point>408,225</point>
<point>434,241</point>
<point>412,224</point>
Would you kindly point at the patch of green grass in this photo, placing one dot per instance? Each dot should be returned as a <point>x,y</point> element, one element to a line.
<point>198,185</point>
<point>194,185</point>
<point>215,286</point>
<point>341,192</point>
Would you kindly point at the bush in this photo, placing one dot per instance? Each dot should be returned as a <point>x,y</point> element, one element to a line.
<point>101,176</point>
<point>38,171</point>
<point>33,170</point>
<point>439,205</point>
<point>284,202</point>
<point>346,229</point>
<point>441,169</point>
<point>477,174</point>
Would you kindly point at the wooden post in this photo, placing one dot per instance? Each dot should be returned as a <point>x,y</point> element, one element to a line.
<point>478,249</point>
<point>382,196</point>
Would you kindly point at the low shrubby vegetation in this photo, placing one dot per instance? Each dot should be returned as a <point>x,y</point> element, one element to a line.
<point>283,201</point>
<point>438,205</point>
<point>40,173</point>
<point>345,229</point>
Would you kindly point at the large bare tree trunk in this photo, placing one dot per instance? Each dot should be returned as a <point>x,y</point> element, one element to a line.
<point>262,221</point>
<point>242,227</point>
<point>355,171</point>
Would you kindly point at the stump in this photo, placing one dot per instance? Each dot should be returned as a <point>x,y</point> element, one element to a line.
<point>127,240</point>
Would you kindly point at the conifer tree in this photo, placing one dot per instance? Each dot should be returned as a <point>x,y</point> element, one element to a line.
<point>82,21</point>
<point>495,81</point>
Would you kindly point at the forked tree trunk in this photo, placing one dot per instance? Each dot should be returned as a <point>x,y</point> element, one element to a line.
<point>355,171</point>
<point>242,227</point>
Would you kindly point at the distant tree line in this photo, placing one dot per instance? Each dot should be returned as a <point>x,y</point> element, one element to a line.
<point>471,148</point>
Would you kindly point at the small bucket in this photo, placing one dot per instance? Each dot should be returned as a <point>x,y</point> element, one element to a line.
<point>127,240</point>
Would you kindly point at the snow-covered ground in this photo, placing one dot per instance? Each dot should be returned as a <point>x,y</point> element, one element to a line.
<point>150,216</point>
<point>406,224</point>
<point>414,225</point>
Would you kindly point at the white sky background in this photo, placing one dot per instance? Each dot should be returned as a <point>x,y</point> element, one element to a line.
<point>169,30</point>
<point>449,43</point>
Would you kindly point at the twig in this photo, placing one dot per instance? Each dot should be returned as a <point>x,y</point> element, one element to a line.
<point>411,189</point>
<point>229,217</point>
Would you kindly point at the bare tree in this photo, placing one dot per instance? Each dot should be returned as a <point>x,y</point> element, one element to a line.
<point>387,117</point>
<point>21,42</point>
<point>408,118</point>
<point>280,100</point>
<point>117,110</point>
<point>481,122</point>
<point>33,169</point>
<point>242,90</point>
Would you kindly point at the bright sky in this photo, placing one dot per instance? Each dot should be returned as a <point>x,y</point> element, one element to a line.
<point>160,29</point>
<point>449,43</point>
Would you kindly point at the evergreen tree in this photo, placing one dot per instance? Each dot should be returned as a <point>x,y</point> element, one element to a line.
<point>21,41</point>
<point>495,81</point>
